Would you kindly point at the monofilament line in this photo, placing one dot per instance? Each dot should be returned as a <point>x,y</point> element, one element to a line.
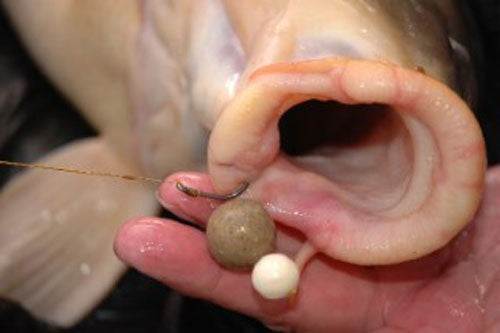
<point>80,172</point>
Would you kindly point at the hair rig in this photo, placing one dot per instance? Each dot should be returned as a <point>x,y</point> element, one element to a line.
<point>241,236</point>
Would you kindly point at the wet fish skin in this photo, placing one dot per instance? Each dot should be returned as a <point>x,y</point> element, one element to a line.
<point>159,77</point>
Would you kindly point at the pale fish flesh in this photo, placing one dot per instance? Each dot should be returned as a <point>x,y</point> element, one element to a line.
<point>351,119</point>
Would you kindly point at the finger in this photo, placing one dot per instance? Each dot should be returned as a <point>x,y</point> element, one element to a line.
<point>193,209</point>
<point>177,256</point>
<point>198,210</point>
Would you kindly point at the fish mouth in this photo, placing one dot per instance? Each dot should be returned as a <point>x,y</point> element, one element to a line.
<point>372,162</point>
<point>364,149</point>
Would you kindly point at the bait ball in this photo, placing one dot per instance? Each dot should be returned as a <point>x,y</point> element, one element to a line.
<point>239,233</point>
<point>275,276</point>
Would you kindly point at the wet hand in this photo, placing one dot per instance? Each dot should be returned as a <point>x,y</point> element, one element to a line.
<point>455,288</point>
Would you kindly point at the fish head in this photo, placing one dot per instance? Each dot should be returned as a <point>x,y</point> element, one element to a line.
<point>341,111</point>
<point>352,122</point>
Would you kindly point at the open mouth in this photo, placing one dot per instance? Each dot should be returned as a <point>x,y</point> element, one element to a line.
<point>383,164</point>
<point>366,149</point>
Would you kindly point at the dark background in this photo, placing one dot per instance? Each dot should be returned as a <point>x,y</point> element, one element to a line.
<point>34,118</point>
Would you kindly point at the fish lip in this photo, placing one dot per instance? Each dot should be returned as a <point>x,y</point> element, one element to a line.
<point>248,125</point>
<point>244,146</point>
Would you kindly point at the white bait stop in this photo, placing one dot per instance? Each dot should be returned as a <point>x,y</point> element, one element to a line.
<point>275,276</point>
<point>241,235</point>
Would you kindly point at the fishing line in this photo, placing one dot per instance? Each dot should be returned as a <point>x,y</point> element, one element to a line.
<point>80,171</point>
<point>181,187</point>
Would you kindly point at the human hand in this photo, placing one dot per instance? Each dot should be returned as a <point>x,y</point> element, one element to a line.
<point>455,289</point>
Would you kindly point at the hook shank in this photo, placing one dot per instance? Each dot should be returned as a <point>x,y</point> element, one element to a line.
<point>197,193</point>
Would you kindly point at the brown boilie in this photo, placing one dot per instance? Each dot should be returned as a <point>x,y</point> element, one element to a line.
<point>239,233</point>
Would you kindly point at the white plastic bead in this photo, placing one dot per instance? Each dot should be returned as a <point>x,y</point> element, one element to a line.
<point>275,276</point>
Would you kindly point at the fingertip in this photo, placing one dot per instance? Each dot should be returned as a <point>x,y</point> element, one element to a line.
<point>135,237</point>
<point>189,208</point>
<point>177,255</point>
<point>164,194</point>
<point>168,189</point>
<point>167,250</point>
